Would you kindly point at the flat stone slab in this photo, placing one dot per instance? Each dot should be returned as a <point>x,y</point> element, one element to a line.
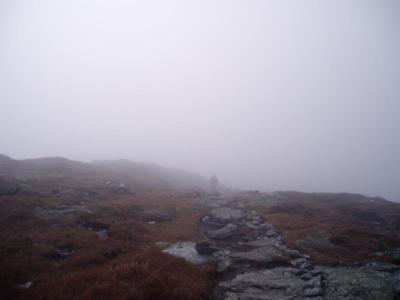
<point>262,285</point>
<point>187,250</point>
<point>266,254</point>
<point>262,242</point>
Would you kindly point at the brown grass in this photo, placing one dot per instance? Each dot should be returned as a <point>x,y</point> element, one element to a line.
<point>351,239</point>
<point>126,265</point>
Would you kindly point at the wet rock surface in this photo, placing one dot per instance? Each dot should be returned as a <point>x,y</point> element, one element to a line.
<point>254,262</point>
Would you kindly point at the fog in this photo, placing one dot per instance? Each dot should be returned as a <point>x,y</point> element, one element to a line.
<point>268,95</point>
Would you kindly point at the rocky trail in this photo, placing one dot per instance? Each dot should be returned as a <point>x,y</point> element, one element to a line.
<point>252,257</point>
<point>254,263</point>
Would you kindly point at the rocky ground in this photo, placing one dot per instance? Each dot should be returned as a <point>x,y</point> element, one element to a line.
<point>90,232</point>
<point>254,262</point>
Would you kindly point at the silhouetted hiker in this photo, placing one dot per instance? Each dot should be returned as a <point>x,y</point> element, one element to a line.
<point>214,185</point>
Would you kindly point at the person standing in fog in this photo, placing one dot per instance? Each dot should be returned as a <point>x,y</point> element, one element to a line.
<point>214,185</point>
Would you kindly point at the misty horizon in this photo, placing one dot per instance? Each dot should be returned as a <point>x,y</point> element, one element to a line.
<point>267,95</point>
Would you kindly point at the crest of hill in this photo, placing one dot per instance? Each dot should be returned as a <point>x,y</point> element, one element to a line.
<point>43,167</point>
<point>154,176</point>
<point>132,173</point>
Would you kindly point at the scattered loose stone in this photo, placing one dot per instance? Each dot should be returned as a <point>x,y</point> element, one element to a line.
<point>102,233</point>
<point>26,285</point>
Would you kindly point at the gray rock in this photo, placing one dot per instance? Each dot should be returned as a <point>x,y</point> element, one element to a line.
<point>266,254</point>
<point>63,253</point>
<point>205,219</point>
<point>293,253</point>
<point>261,242</point>
<point>187,251</point>
<point>271,233</point>
<point>301,263</point>
<point>384,267</point>
<point>262,285</point>
<point>312,292</point>
<point>223,232</point>
<point>359,283</point>
<point>315,272</point>
<point>116,187</point>
<point>227,214</point>
<point>294,271</point>
<point>102,233</point>
<point>204,248</point>
<point>267,226</point>
<point>314,282</point>
<point>306,276</point>
<point>223,263</point>
<point>26,285</point>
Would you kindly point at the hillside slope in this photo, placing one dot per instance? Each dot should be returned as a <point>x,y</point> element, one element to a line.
<point>131,173</point>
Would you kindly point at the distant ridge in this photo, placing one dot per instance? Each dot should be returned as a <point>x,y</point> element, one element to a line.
<point>143,174</point>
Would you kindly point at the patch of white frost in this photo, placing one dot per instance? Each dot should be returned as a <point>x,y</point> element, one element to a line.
<point>187,251</point>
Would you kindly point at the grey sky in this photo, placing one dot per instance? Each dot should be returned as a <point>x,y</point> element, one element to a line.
<point>301,95</point>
